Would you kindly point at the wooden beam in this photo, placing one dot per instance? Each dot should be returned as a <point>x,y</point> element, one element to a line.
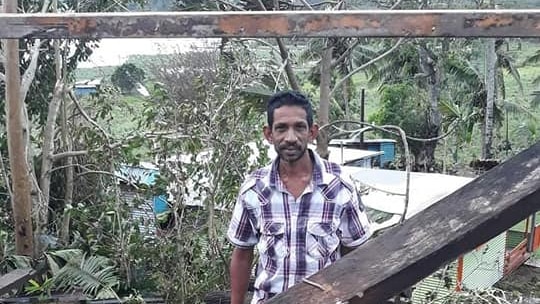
<point>403,255</point>
<point>15,279</point>
<point>413,23</point>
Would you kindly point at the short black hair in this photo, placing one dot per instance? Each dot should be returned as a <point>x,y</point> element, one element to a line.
<point>288,98</point>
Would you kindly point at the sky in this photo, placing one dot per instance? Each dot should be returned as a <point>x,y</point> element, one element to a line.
<point>112,52</point>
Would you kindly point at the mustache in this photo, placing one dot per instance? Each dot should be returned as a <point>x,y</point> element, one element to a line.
<point>287,146</point>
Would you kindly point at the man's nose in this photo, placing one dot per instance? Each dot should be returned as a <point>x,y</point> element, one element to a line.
<point>290,136</point>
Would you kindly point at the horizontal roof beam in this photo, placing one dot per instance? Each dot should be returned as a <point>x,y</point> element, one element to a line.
<point>367,23</point>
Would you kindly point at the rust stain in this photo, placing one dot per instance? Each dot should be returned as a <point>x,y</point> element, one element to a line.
<point>82,25</point>
<point>421,25</point>
<point>46,21</point>
<point>346,22</point>
<point>418,24</point>
<point>252,25</point>
<point>493,21</point>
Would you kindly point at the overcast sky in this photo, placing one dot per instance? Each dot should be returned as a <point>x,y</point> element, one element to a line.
<point>117,51</point>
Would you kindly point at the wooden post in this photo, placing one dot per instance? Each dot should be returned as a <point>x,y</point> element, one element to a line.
<point>405,254</point>
<point>20,178</point>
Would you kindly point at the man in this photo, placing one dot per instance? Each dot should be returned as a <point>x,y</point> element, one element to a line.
<point>299,211</point>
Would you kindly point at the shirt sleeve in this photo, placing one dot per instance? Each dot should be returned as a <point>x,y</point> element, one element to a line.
<point>241,232</point>
<point>355,226</point>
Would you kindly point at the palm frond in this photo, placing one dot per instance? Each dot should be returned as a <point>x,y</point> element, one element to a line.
<point>363,53</point>
<point>67,254</point>
<point>95,275</point>
<point>312,51</point>
<point>449,109</point>
<point>507,63</point>
<point>465,72</point>
<point>535,102</point>
<point>532,127</point>
<point>533,59</point>
<point>19,261</point>
<point>57,259</point>
<point>518,108</point>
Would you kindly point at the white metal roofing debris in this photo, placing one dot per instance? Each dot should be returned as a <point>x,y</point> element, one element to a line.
<point>384,187</point>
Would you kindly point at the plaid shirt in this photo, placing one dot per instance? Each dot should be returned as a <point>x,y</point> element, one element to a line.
<point>296,238</point>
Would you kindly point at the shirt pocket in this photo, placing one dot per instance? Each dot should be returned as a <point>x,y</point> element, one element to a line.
<point>272,241</point>
<point>322,239</point>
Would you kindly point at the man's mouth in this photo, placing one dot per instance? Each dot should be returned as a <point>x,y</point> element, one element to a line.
<point>290,148</point>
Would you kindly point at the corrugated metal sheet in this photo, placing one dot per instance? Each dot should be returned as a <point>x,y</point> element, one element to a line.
<point>484,266</point>
<point>141,211</point>
<point>514,238</point>
<point>437,287</point>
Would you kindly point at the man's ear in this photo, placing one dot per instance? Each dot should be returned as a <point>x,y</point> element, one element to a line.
<point>314,130</point>
<point>267,131</point>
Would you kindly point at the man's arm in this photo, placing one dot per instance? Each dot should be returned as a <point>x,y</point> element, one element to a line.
<point>355,226</point>
<point>240,270</point>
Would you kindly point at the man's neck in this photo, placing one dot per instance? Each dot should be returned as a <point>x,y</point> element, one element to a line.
<point>299,168</point>
<point>296,176</point>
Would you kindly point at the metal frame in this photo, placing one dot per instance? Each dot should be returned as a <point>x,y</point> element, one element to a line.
<point>366,23</point>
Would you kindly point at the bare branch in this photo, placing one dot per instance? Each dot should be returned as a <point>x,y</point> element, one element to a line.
<point>306,4</point>
<point>236,7</point>
<point>345,54</point>
<point>396,4</point>
<point>367,64</point>
<point>103,173</point>
<point>30,72</point>
<point>60,155</point>
<point>86,116</point>
<point>88,171</point>
<point>261,41</point>
<point>284,57</point>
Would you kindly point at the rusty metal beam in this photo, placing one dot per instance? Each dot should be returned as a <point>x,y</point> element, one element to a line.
<point>413,23</point>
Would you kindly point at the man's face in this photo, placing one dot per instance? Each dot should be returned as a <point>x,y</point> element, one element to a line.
<point>290,133</point>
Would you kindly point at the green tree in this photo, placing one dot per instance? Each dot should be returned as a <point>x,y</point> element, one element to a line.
<point>127,77</point>
<point>205,135</point>
<point>44,61</point>
<point>397,99</point>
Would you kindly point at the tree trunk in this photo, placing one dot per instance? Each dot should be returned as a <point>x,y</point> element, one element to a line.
<point>487,134</point>
<point>324,102</point>
<point>430,67</point>
<point>347,88</point>
<point>21,200</point>
<point>69,174</point>
<point>48,145</point>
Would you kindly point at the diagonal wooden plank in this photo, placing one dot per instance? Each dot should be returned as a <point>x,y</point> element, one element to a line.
<point>15,279</point>
<point>413,23</point>
<point>403,255</point>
